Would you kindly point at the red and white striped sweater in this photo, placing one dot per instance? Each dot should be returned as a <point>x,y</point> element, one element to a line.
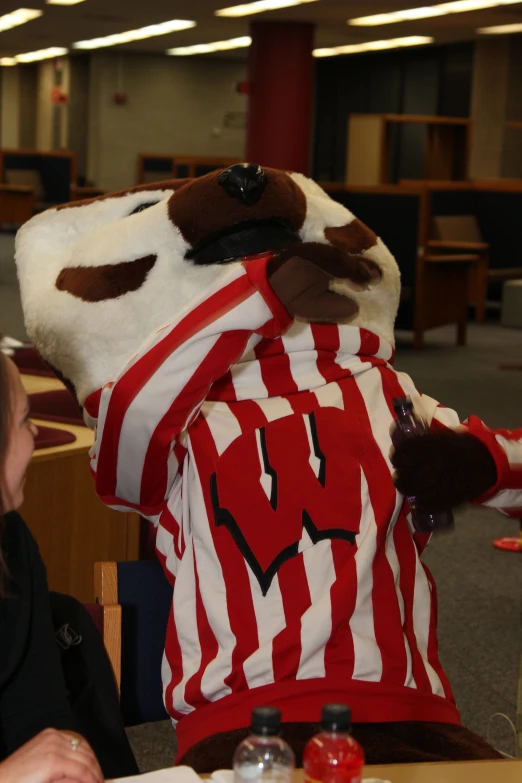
<point>260,449</point>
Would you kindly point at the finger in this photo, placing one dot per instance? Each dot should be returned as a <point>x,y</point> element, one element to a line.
<point>59,767</point>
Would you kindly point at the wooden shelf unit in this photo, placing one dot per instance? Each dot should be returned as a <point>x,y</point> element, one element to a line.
<point>369,147</point>
<point>178,166</point>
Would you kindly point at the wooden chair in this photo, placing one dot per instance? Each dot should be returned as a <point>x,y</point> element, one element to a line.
<point>135,598</point>
<point>457,239</point>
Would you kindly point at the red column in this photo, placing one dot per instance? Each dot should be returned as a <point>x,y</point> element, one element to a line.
<point>281,75</point>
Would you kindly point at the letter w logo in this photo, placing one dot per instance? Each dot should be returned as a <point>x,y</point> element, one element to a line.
<point>296,474</point>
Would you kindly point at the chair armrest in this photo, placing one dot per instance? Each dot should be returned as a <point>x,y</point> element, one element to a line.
<point>447,258</point>
<point>454,244</point>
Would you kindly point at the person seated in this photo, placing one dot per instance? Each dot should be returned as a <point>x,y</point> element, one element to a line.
<point>52,755</point>
<point>36,693</point>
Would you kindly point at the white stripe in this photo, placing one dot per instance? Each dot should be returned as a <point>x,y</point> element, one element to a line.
<point>299,345</point>
<point>246,375</point>
<point>270,619</point>
<point>316,623</point>
<point>508,498</point>
<point>213,591</point>
<point>330,396</point>
<point>368,659</point>
<point>513,449</point>
<point>275,408</point>
<point>185,621</point>
<point>421,624</point>
<point>223,425</point>
<point>370,385</point>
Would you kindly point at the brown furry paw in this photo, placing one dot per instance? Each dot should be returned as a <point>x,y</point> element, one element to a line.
<point>444,469</point>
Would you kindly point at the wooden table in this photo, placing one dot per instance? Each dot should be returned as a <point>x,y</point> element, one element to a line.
<point>463,772</point>
<point>71,525</point>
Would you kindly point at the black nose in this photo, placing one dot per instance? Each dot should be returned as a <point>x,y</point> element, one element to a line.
<point>244,182</point>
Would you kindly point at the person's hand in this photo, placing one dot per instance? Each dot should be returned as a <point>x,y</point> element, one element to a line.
<point>52,756</point>
<point>443,469</point>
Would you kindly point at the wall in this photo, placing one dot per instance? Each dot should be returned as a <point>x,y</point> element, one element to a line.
<point>44,107</point>
<point>28,93</point>
<point>78,116</point>
<point>10,107</point>
<point>432,80</point>
<point>174,106</point>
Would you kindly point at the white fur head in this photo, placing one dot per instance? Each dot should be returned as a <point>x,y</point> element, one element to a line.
<point>99,278</point>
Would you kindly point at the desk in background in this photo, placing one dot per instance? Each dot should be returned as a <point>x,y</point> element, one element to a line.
<point>71,525</point>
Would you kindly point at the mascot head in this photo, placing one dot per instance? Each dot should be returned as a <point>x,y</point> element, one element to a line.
<point>99,277</point>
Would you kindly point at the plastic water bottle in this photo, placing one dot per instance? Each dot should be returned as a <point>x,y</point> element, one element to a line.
<point>410,425</point>
<point>334,756</point>
<point>264,755</point>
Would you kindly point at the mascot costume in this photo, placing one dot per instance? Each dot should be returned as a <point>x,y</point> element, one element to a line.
<point>230,339</point>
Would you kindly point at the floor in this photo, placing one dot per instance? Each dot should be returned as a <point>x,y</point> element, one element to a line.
<point>480,588</point>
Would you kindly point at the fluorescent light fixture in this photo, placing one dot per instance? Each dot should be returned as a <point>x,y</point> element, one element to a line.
<point>7,61</point>
<point>216,46</point>
<point>426,12</point>
<point>63,2</point>
<point>136,35</point>
<point>501,29</point>
<point>18,17</point>
<point>258,7</point>
<point>41,54</point>
<point>374,46</point>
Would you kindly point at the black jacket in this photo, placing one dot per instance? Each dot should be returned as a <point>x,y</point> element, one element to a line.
<point>33,695</point>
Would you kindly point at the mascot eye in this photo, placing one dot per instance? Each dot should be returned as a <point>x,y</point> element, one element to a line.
<point>146,205</point>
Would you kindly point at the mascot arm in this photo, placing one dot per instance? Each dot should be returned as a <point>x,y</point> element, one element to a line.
<point>143,414</point>
<point>458,463</point>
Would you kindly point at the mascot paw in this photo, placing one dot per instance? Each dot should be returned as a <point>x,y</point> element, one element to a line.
<point>442,470</point>
<point>302,277</point>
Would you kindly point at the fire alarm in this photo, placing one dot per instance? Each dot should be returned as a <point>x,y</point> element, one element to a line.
<point>120,98</point>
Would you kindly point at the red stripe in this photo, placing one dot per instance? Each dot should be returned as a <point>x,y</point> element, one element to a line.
<point>286,649</point>
<point>227,349</point>
<point>407,557</point>
<point>327,344</point>
<point>339,656</point>
<point>275,368</point>
<point>386,610</point>
<point>209,649</point>
<point>240,605</point>
<point>223,389</point>
<point>140,373</point>
<point>370,343</point>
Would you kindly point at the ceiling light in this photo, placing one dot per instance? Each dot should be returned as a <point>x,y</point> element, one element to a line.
<point>7,61</point>
<point>258,7</point>
<point>63,2</point>
<point>501,28</point>
<point>374,46</point>
<point>41,54</point>
<point>425,12</point>
<point>136,35</point>
<point>216,46</point>
<point>15,18</point>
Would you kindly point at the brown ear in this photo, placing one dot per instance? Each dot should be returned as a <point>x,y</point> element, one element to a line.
<point>354,238</point>
<point>98,283</point>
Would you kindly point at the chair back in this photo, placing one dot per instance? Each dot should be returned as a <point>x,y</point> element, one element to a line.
<point>145,597</point>
<point>456,228</point>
